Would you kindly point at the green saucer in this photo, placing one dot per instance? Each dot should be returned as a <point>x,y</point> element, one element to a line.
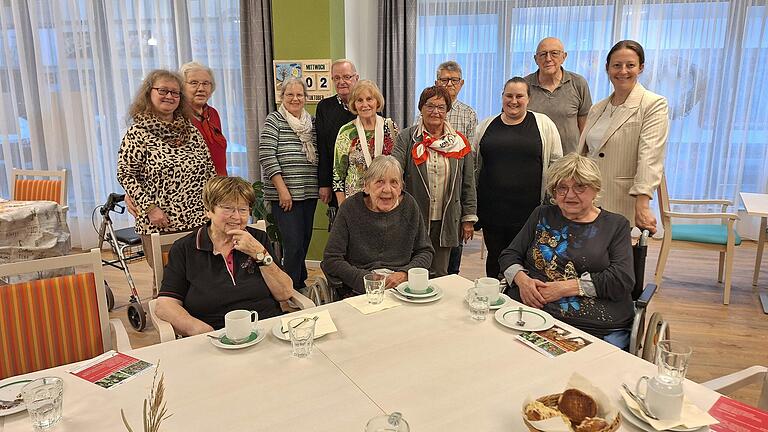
<point>226,341</point>
<point>429,290</point>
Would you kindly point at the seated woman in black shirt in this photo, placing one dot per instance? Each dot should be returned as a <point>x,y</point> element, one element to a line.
<point>574,260</point>
<point>222,266</point>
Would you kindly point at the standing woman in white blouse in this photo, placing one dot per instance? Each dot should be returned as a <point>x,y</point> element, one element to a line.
<point>626,134</point>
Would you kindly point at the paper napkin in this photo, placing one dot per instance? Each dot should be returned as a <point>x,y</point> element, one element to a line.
<point>691,417</point>
<point>361,303</point>
<point>324,324</point>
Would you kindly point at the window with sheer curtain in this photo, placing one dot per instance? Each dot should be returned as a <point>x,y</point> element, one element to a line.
<point>709,58</point>
<point>69,70</point>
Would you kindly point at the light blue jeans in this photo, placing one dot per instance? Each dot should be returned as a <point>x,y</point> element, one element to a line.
<point>619,338</point>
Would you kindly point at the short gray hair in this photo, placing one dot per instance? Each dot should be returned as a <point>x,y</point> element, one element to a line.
<point>450,66</point>
<point>380,166</point>
<point>342,61</point>
<point>291,81</point>
<point>577,167</point>
<point>193,66</point>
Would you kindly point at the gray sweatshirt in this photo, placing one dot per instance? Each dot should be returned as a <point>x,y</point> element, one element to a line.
<point>362,240</point>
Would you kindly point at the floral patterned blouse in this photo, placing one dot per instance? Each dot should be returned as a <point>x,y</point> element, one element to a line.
<point>348,159</point>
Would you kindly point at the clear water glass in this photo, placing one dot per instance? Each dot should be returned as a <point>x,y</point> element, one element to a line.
<point>478,307</point>
<point>302,332</point>
<point>672,361</point>
<point>43,398</point>
<point>374,287</point>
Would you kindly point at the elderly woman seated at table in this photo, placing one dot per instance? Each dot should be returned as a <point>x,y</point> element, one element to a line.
<point>378,228</point>
<point>222,266</point>
<point>573,259</point>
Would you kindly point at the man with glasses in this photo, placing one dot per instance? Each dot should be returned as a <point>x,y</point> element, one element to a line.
<point>333,113</point>
<point>562,95</point>
<point>464,119</point>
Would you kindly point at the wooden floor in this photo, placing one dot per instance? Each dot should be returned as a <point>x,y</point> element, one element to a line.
<point>725,338</point>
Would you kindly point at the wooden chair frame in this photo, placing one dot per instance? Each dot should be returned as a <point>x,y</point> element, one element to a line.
<point>55,174</point>
<point>109,327</point>
<point>725,265</point>
<point>157,241</point>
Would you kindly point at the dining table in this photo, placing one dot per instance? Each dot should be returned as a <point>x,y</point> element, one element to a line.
<point>432,362</point>
<point>756,204</point>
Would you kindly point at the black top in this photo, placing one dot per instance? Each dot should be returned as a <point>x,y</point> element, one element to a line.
<point>551,247</point>
<point>201,280</point>
<point>509,183</point>
<point>330,116</point>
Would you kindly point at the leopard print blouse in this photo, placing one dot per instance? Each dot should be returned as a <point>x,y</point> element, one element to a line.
<point>155,167</point>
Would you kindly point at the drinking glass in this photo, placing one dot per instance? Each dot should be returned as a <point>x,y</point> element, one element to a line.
<point>478,306</point>
<point>374,287</point>
<point>672,360</point>
<point>43,398</point>
<point>302,332</point>
<point>388,423</point>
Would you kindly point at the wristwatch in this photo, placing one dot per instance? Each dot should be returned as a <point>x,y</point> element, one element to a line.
<point>264,258</point>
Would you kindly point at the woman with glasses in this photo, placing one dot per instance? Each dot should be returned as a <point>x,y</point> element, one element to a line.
<point>199,85</point>
<point>626,134</point>
<point>353,155</point>
<point>438,168</point>
<point>288,157</point>
<point>514,150</point>
<point>163,162</point>
<point>574,259</point>
<point>222,266</point>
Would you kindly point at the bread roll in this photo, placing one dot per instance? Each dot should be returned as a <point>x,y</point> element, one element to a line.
<point>577,405</point>
<point>592,424</point>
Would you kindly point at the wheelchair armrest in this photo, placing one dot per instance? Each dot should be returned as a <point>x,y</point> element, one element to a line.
<point>645,297</point>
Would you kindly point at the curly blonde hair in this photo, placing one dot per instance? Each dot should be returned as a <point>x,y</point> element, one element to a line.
<point>142,102</point>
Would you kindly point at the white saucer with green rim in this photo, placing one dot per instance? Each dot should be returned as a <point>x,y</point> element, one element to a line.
<point>10,390</point>
<point>257,335</point>
<point>535,319</point>
<point>403,289</point>
<point>408,299</point>
<point>503,300</point>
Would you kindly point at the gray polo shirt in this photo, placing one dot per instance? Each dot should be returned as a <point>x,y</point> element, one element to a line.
<point>570,99</point>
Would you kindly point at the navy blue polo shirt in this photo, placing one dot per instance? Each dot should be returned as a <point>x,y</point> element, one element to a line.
<point>205,286</point>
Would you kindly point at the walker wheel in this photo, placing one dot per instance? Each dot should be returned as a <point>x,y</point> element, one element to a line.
<point>136,316</point>
<point>110,297</point>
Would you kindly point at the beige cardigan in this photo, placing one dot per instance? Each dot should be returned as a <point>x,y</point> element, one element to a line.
<point>631,153</point>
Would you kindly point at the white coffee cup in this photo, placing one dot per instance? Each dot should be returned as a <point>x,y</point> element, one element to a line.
<point>663,400</point>
<point>238,324</point>
<point>418,280</point>
<point>489,287</point>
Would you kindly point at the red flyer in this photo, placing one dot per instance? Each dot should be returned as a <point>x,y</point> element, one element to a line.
<point>736,416</point>
<point>110,369</point>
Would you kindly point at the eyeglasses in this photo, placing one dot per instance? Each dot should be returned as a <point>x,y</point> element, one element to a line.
<point>446,81</point>
<point>200,83</point>
<point>164,92</point>
<point>438,108</point>
<point>337,78</point>
<point>554,54</point>
<point>578,189</point>
<point>229,210</point>
<point>289,96</point>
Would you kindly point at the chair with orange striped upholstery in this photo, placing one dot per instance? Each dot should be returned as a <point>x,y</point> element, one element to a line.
<point>34,189</point>
<point>51,322</point>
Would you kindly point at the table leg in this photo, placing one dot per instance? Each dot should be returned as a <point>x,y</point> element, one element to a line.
<point>760,244</point>
<point>759,259</point>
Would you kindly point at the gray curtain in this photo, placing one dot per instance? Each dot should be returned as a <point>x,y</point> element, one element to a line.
<point>258,82</point>
<point>396,70</point>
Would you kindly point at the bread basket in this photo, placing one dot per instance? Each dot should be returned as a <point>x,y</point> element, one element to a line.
<point>551,402</point>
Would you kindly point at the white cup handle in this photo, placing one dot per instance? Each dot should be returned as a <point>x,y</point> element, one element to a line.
<point>639,394</point>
